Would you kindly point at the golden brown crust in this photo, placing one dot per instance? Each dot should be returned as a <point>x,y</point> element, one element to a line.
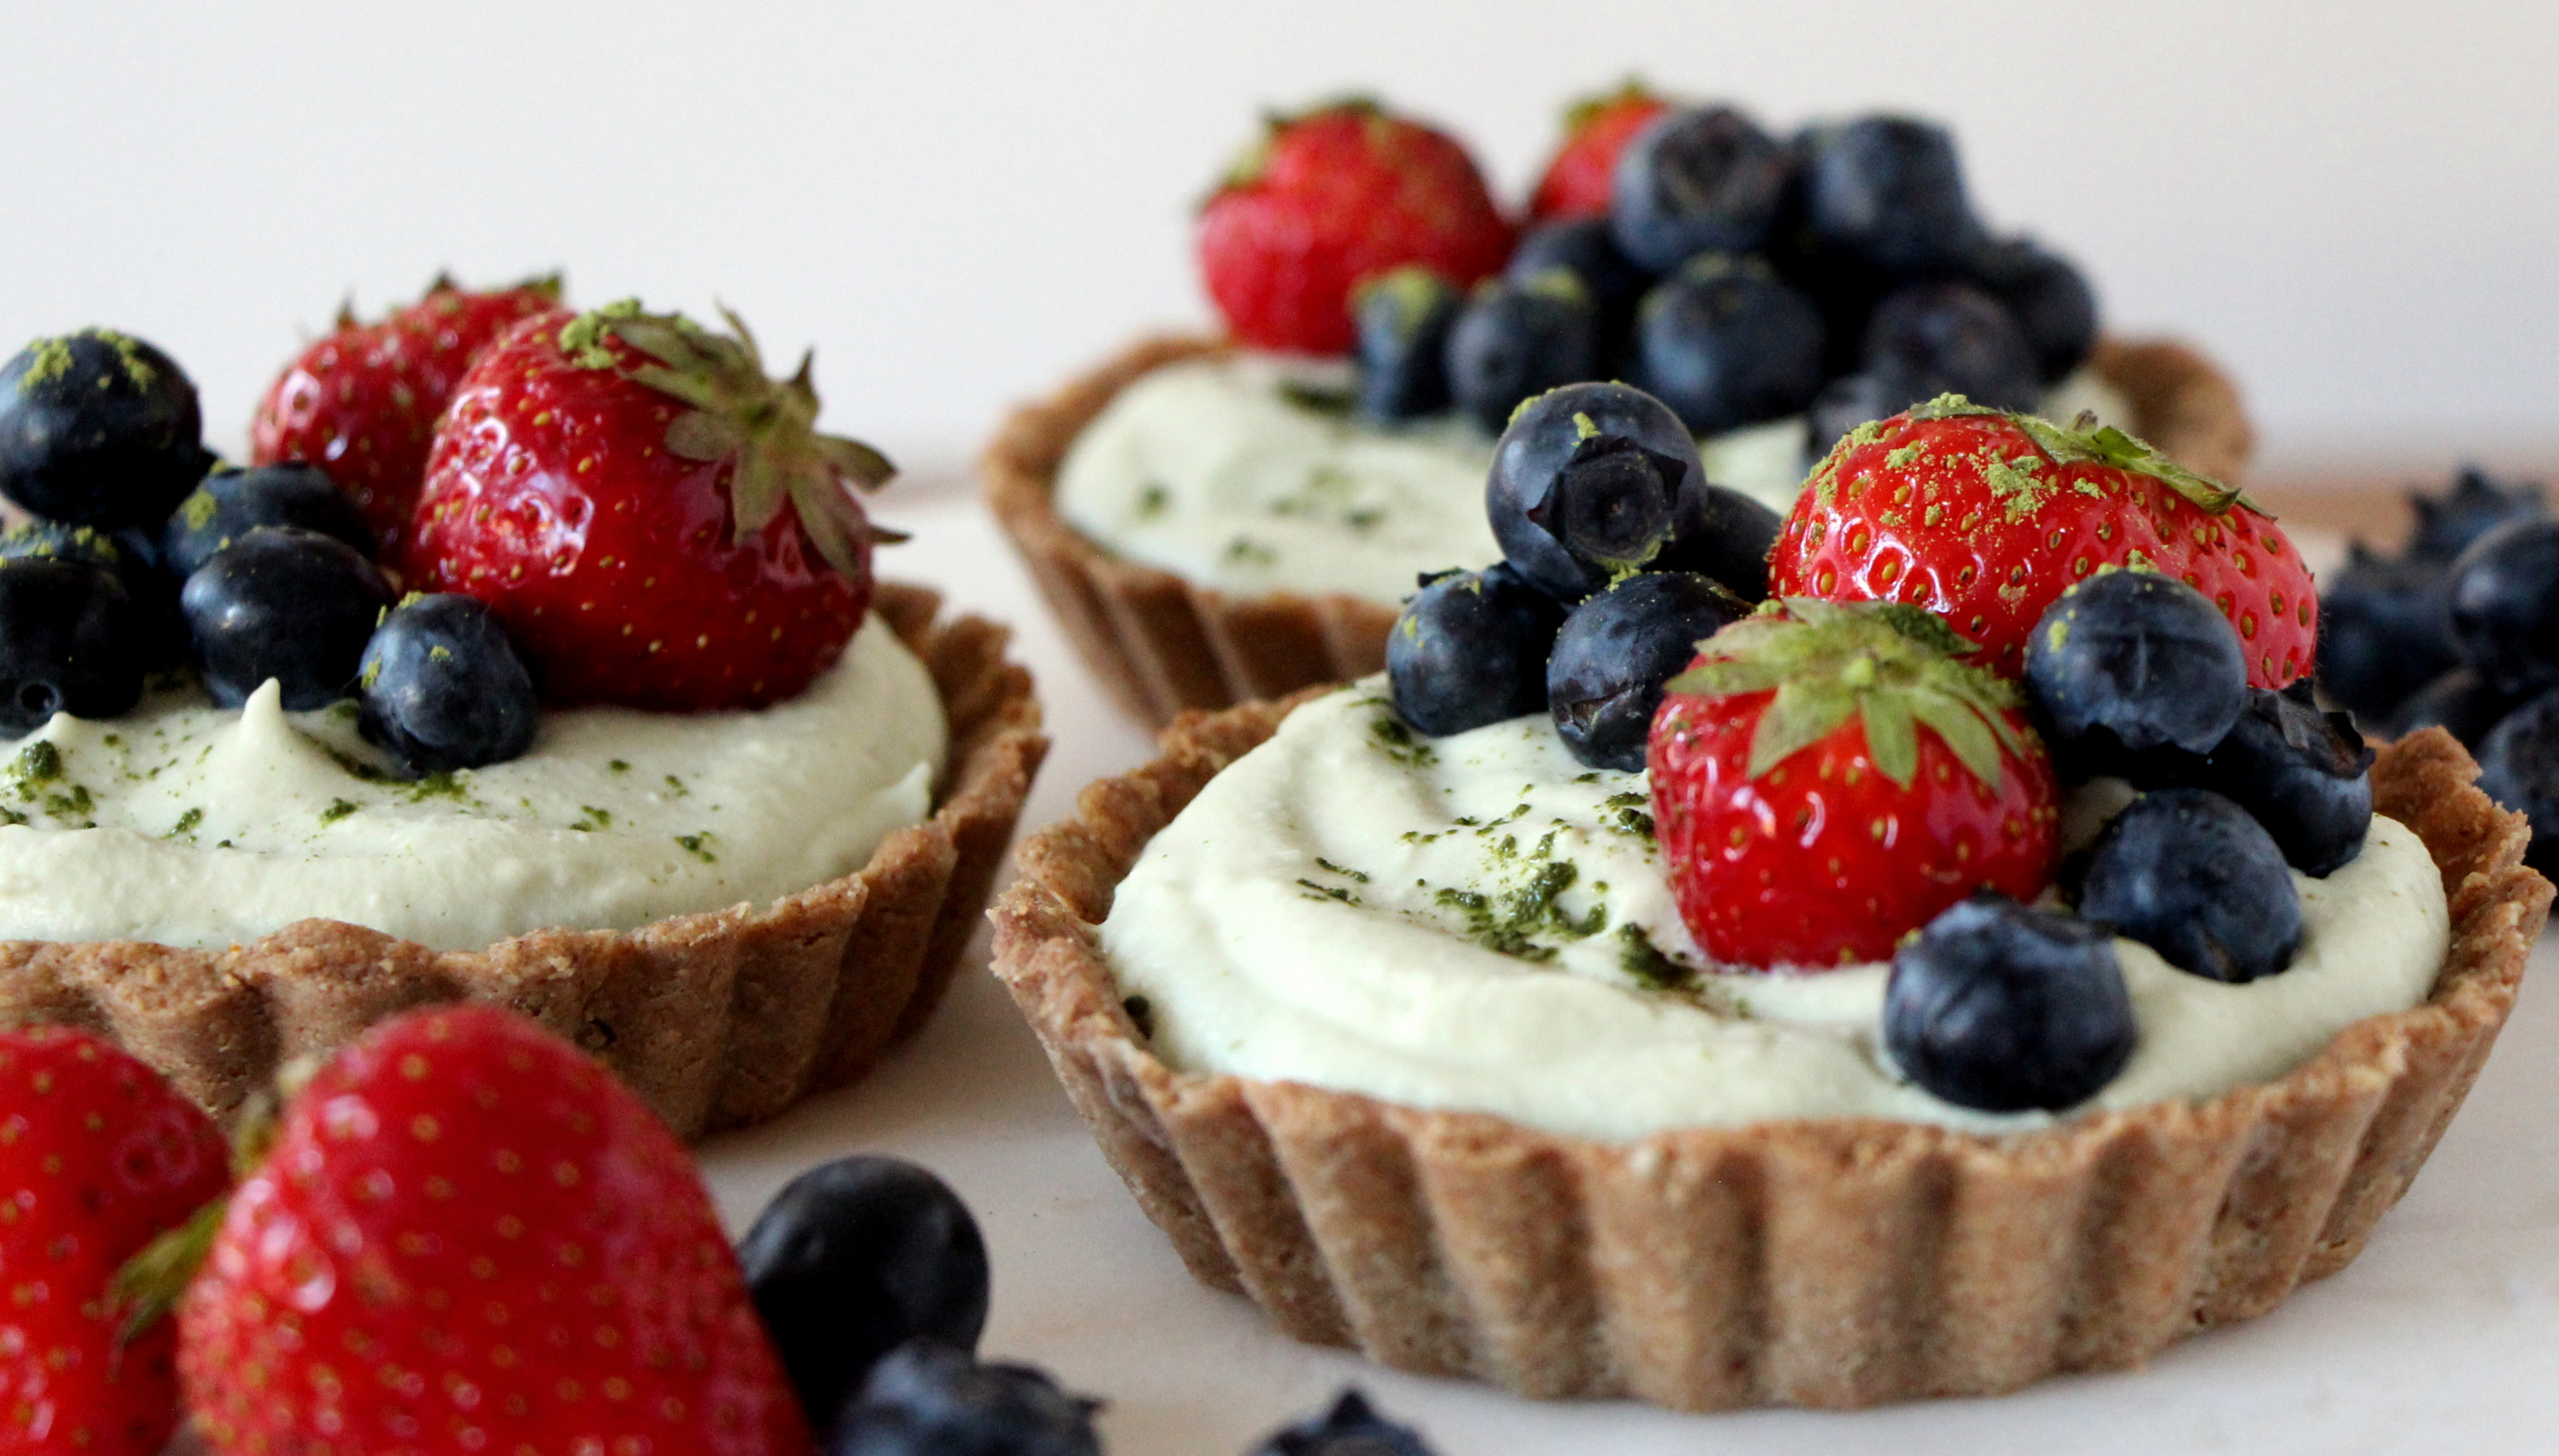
<point>718,1019</point>
<point>1832,1262</point>
<point>1161,644</point>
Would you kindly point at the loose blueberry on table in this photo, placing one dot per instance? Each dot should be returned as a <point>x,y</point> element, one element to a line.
<point>1350,1426</point>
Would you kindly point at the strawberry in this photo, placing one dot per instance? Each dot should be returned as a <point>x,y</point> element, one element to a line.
<point>97,1157</point>
<point>1578,182</point>
<point>362,404</point>
<point>1328,199</point>
<point>1826,780</point>
<point>466,1236</point>
<point>655,522</point>
<point>1983,517</point>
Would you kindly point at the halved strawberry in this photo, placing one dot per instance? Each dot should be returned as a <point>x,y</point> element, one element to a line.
<point>1579,180</point>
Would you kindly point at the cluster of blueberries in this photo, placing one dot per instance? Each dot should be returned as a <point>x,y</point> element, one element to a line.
<point>2460,630</point>
<point>872,1279</point>
<point>147,556</point>
<point>1740,279</point>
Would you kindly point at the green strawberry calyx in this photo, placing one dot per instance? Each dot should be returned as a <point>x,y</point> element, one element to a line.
<point>2086,439</point>
<point>1890,664</point>
<point>767,427</point>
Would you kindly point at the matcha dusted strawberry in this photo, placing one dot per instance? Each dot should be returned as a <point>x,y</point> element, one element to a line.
<point>656,522</point>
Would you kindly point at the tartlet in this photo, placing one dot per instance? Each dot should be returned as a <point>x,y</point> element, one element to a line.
<point>718,1019</point>
<point>1161,643</point>
<point>1830,1263</point>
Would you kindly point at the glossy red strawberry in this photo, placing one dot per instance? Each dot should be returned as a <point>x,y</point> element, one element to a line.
<point>1328,199</point>
<point>656,522</point>
<point>1826,780</point>
<point>362,404</point>
<point>468,1237</point>
<point>97,1157</point>
<point>1983,517</point>
<point>1577,181</point>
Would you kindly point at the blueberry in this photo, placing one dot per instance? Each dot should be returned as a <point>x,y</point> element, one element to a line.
<point>2503,603</point>
<point>230,501</point>
<point>1887,192</point>
<point>2191,874</point>
<point>1707,180</point>
<point>928,1398</point>
<point>1352,1428</point>
<point>2461,702</point>
<point>98,428</point>
<point>71,642</point>
<point>131,554</point>
<point>1588,482</point>
<point>2519,769</point>
<point>2301,774</point>
<point>284,603</point>
<point>2474,504</point>
<point>2049,298</point>
<point>1587,248</point>
<point>1725,343</point>
<point>2140,656</point>
<point>1401,318</point>
<point>1516,339</point>
<point>1731,545</point>
<point>442,687</point>
<point>1604,677</point>
<point>1949,338</point>
<point>1469,649</point>
<point>2382,630</point>
<point>2004,1007</point>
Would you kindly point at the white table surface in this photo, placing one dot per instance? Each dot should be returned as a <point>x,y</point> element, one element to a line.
<point>2443,1337</point>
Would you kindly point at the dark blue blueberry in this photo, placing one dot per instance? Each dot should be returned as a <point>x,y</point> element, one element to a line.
<point>2474,504</point>
<point>2301,774</point>
<point>1887,192</point>
<point>2461,702</point>
<point>284,603</point>
<point>1469,649</point>
<point>2382,630</point>
<point>927,1398</point>
<point>1731,545</point>
<point>1590,481</point>
<point>1852,400</point>
<point>1352,1428</point>
<point>2502,601</point>
<point>854,1259</point>
<point>71,642</point>
<point>2191,874</point>
<point>1707,180</point>
<point>2007,1008</point>
<point>442,687</point>
<point>1725,343</point>
<point>2140,656</point>
<point>2519,769</point>
<point>98,428</point>
<point>1403,318</point>
<point>2049,298</point>
<point>135,562</point>
<point>1604,677</point>
<point>1948,338</point>
<point>1587,248</point>
<point>228,503</point>
<point>1516,339</point>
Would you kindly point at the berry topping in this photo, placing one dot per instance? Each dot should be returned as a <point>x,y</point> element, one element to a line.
<point>1514,340</point>
<point>1404,316</point>
<point>134,557</point>
<point>284,603</point>
<point>1887,193</point>
<point>2474,504</point>
<point>2382,633</point>
<point>1946,337</point>
<point>925,1398</point>
<point>1731,545</point>
<point>1587,250</point>
<point>468,1237</point>
<point>1827,781</point>
<point>2519,767</point>
<point>2190,874</point>
<point>231,501</point>
<point>1605,676</point>
<point>2004,1007</point>
<point>71,641</point>
<point>1577,182</point>
<point>2046,296</point>
<point>1351,1427</point>
<point>2139,658</point>
<point>1590,482</point>
<point>98,428</point>
<point>1707,180</point>
<point>1328,198</point>
<point>1469,649</point>
<point>2301,774</point>
<point>2502,601</point>
<point>1725,343</point>
<point>854,1258</point>
<point>442,688</point>
<point>2461,702</point>
<point>98,1158</point>
<point>656,522</point>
